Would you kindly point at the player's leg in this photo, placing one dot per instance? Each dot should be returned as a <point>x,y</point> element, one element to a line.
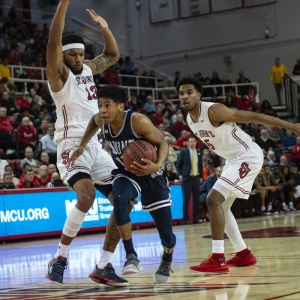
<point>85,198</point>
<point>216,262</point>
<point>243,256</point>
<point>123,191</point>
<point>104,271</point>
<point>163,220</point>
<point>78,178</point>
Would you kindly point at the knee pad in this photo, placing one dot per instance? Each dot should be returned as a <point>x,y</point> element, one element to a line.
<point>120,208</point>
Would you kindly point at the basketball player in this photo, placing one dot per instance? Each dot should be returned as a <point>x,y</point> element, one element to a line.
<point>215,125</point>
<point>121,128</point>
<point>70,80</point>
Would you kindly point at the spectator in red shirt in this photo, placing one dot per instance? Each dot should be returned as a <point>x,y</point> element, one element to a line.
<point>183,141</point>
<point>25,101</point>
<point>44,158</point>
<point>296,151</point>
<point>111,76</point>
<point>26,134</point>
<point>5,128</point>
<point>179,126</point>
<point>28,183</point>
<point>157,117</point>
<point>243,102</point>
<point>43,178</point>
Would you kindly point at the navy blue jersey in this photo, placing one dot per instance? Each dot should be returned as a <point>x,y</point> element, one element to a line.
<point>154,187</point>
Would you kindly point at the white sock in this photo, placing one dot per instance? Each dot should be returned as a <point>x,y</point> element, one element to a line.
<point>233,232</point>
<point>105,258</point>
<point>283,205</point>
<point>217,246</point>
<point>62,250</point>
<point>291,204</point>
<point>269,207</point>
<point>263,208</point>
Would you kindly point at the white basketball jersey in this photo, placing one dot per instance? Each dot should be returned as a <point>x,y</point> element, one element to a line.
<point>76,103</point>
<point>227,140</point>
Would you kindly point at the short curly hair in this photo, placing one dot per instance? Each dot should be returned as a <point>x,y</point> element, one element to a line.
<point>113,92</point>
<point>71,38</point>
<point>189,80</point>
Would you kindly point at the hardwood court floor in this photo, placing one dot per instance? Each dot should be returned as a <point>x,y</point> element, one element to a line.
<point>273,239</point>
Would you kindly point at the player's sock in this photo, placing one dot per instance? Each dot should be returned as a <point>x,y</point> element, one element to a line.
<point>269,207</point>
<point>167,257</point>
<point>128,245</point>
<point>62,250</point>
<point>233,232</point>
<point>105,258</point>
<point>217,249</point>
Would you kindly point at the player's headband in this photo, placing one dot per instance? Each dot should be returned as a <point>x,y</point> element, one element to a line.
<point>72,46</point>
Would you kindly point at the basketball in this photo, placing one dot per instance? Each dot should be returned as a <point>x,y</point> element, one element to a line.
<point>137,150</point>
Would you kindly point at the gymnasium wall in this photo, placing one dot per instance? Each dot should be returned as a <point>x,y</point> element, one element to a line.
<point>199,44</point>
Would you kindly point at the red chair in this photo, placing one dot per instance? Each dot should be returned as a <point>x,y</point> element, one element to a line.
<point>17,163</point>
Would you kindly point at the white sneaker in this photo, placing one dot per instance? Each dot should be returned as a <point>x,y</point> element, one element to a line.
<point>132,265</point>
<point>292,208</point>
<point>286,209</point>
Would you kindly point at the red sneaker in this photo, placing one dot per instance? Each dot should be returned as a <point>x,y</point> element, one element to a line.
<point>245,260</point>
<point>211,265</point>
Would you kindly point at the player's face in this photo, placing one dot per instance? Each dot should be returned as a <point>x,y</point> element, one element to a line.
<point>109,110</point>
<point>188,96</point>
<point>73,59</point>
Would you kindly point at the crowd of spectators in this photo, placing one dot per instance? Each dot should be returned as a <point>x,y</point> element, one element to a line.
<point>27,117</point>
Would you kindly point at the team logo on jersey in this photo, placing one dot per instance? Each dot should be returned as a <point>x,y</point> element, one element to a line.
<point>244,170</point>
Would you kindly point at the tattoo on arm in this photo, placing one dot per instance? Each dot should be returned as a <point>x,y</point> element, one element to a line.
<point>104,61</point>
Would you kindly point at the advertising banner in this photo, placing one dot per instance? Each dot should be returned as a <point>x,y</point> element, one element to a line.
<point>32,213</point>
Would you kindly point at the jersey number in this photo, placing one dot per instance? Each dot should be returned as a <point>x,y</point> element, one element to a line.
<point>211,146</point>
<point>92,92</point>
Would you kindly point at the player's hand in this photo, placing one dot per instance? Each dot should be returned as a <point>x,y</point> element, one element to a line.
<point>74,156</point>
<point>140,170</point>
<point>296,128</point>
<point>99,21</point>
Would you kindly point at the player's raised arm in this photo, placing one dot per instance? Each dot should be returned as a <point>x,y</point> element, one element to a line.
<point>143,126</point>
<point>90,131</point>
<point>55,67</point>
<point>219,113</point>
<point>110,53</point>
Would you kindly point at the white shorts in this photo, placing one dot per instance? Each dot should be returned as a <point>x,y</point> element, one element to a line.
<point>94,161</point>
<point>239,174</point>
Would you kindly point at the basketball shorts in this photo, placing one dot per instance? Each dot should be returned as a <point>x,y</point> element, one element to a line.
<point>239,174</point>
<point>94,161</point>
<point>154,188</point>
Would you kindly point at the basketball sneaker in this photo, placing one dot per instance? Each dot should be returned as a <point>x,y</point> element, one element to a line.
<point>132,265</point>
<point>56,268</point>
<point>162,274</point>
<point>292,208</point>
<point>211,265</point>
<point>108,276</point>
<point>242,260</point>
